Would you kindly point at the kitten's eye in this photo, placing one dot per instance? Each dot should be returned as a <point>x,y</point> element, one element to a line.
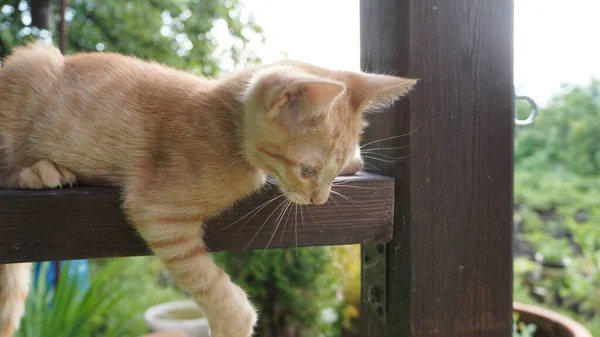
<point>307,171</point>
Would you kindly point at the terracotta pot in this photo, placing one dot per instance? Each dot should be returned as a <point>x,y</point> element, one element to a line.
<point>550,323</point>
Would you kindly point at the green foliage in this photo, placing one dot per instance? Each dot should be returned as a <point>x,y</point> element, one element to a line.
<point>144,282</point>
<point>520,329</point>
<point>67,310</point>
<point>290,287</point>
<point>557,184</point>
<point>566,135</point>
<point>348,262</point>
<point>176,32</point>
<point>522,294</point>
<point>553,189</point>
<point>119,292</point>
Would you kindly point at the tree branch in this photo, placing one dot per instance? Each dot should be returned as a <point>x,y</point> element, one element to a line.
<point>42,14</point>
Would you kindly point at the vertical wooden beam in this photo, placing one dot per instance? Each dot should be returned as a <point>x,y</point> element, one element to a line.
<point>449,266</point>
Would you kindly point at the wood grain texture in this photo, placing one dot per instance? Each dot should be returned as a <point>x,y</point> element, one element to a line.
<point>87,222</point>
<point>450,263</point>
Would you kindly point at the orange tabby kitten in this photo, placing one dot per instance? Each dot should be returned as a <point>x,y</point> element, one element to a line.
<point>181,148</point>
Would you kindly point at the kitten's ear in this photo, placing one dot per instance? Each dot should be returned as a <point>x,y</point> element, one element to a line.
<point>377,91</point>
<point>298,101</point>
<point>291,97</point>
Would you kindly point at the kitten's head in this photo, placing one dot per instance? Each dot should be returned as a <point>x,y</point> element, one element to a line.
<point>303,123</point>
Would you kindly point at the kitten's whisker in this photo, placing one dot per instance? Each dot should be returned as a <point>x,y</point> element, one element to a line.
<point>310,213</point>
<point>336,204</point>
<point>372,166</point>
<point>341,181</point>
<point>385,148</point>
<point>263,225</point>
<point>255,210</point>
<point>358,187</point>
<point>283,212</point>
<point>345,197</point>
<point>380,155</point>
<point>301,214</point>
<point>248,220</point>
<point>286,222</point>
<point>280,216</point>
<point>393,137</point>
<point>296,226</point>
<point>385,160</point>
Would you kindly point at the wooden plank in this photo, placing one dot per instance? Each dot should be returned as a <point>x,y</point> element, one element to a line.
<point>87,223</point>
<point>449,266</point>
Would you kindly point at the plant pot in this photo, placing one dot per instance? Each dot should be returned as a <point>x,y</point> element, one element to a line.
<point>177,317</point>
<point>556,263</point>
<point>166,334</point>
<point>548,269</point>
<point>550,323</point>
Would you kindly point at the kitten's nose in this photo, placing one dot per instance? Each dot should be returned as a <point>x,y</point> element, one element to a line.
<point>319,199</point>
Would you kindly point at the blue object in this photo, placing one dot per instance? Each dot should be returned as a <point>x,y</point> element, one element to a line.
<point>77,268</point>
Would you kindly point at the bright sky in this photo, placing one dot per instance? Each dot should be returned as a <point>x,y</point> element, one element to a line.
<point>555,40</point>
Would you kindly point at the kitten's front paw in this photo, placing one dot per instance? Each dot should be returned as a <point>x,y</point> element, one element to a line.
<point>240,319</point>
<point>353,168</point>
<point>356,164</point>
<point>46,174</point>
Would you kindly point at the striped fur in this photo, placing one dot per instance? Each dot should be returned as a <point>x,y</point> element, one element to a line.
<point>182,148</point>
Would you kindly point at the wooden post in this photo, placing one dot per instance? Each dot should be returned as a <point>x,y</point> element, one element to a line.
<point>449,265</point>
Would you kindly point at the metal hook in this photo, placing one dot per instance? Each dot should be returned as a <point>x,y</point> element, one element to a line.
<point>534,111</point>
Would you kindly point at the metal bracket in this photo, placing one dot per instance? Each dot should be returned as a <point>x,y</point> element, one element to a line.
<point>533,115</point>
<point>374,278</point>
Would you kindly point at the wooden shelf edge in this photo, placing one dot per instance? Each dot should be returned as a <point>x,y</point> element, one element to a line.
<point>86,222</point>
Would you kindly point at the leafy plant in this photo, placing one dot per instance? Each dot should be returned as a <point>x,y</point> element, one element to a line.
<point>294,289</point>
<point>348,262</point>
<point>557,214</point>
<point>567,136</point>
<point>520,329</point>
<point>69,310</point>
<point>111,305</point>
<point>145,282</point>
<point>190,34</point>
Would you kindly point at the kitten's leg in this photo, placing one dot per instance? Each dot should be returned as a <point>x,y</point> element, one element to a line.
<point>355,165</point>
<point>14,287</point>
<point>178,243</point>
<point>15,278</point>
<point>44,174</point>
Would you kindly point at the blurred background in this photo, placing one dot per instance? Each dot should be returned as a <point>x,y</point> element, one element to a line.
<point>557,158</point>
<point>315,291</point>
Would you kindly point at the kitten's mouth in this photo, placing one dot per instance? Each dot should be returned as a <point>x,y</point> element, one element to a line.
<point>297,198</point>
